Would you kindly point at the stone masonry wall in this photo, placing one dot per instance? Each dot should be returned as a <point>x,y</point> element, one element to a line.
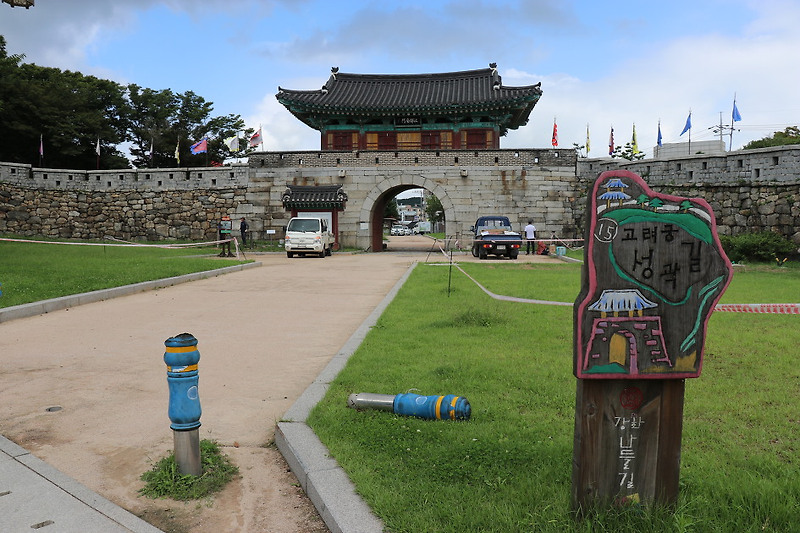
<point>749,190</point>
<point>752,190</point>
<point>521,184</point>
<point>123,214</point>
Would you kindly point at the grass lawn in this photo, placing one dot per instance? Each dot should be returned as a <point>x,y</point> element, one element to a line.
<point>34,272</point>
<point>509,468</point>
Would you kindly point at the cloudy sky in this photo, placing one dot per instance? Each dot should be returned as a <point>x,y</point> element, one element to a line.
<point>605,64</point>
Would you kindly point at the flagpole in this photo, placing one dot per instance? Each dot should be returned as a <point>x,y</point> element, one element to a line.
<point>730,146</point>
<point>658,140</point>
<point>690,132</point>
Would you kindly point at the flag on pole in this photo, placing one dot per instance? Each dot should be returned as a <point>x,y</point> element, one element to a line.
<point>97,148</point>
<point>735,114</point>
<point>200,147</point>
<point>151,148</point>
<point>587,139</point>
<point>688,125</point>
<point>659,133</point>
<point>611,142</point>
<point>232,143</point>
<point>41,145</point>
<point>634,142</point>
<point>178,152</point>
<point>555,133</point>
<point>256,139</point>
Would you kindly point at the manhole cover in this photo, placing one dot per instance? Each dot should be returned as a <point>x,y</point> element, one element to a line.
<point>53,409</point>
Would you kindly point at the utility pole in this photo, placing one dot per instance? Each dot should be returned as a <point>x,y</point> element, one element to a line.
<point>722,129</point>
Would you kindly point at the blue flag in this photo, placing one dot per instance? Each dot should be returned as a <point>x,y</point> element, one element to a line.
<point>735,115</point>
<point>659,133</point>
<point>688,125</point>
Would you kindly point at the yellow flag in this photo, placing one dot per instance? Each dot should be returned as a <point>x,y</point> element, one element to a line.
<point>635,144</point>
<point>587,140</point>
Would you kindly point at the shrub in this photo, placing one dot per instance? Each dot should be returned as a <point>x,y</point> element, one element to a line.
<point>763,246</point>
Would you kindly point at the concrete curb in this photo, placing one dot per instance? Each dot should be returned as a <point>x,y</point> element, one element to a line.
<point>323,480</point>
<point>56,304</point>
<point>57,496</point>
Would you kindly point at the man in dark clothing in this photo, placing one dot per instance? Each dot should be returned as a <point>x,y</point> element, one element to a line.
<point>243,230</point>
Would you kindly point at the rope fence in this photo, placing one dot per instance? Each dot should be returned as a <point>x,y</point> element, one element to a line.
<point>780,309</point>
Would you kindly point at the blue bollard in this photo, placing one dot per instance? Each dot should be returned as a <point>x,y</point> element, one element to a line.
<point>181,358</point>
<point>449,407</point>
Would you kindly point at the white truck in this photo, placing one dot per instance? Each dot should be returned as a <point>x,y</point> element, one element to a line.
<point>306,235</point>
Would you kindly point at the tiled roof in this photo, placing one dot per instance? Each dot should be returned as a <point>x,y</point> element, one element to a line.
<point>472,91</point>
<point>314,197</point>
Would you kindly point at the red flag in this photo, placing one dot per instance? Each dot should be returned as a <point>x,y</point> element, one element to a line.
<point>611,142</point>
<point>555,134</point>
<point>200,147</point>
<point>256,139</point>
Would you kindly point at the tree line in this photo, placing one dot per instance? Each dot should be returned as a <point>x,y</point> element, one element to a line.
<point>57,119</point>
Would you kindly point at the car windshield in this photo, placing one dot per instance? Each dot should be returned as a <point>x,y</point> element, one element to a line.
<point>303,224</point>
<point>493,224</point>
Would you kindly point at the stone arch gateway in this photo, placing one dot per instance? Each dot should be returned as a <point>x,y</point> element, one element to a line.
<point>373,207</point>
<point>520,184</point>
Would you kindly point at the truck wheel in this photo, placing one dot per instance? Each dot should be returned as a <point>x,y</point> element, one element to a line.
<point>329,251</point>
<point>289,255</point>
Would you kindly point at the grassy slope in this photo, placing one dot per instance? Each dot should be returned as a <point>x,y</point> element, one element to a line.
<point>33,272</point>
<point>509,468</point>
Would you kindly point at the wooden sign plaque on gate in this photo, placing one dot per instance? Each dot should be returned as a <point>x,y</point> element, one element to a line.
<point>653,271</point>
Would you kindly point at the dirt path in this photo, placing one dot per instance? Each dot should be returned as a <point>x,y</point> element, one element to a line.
<point>264,335</point>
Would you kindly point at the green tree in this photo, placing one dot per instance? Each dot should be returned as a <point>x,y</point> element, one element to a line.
<point>71,113</point>
<point>390,211</point>
<point>434,209</point>
<point>790,135</point>
<point>627,152</point>
<point>149,120</point>
<point>193,122</point>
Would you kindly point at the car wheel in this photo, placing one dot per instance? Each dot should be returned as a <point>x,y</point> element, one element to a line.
<point>474,251</point>
<point>289,255</point>
<point>482,253</point>
<point>513,254</point>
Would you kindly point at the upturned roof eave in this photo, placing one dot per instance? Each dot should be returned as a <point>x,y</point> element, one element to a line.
<point>308,107</point>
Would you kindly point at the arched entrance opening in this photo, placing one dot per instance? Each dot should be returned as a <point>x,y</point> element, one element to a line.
<point>380,225</point>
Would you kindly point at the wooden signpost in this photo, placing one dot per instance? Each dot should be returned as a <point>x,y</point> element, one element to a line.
<point>654,269</point>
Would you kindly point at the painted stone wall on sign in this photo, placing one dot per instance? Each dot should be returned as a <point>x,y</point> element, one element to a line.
<point>654,269</point>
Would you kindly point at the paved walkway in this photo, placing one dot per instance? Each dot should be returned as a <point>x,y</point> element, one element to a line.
<point>83,395</point>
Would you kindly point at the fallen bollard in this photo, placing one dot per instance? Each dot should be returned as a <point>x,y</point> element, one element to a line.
<point>450,407</point>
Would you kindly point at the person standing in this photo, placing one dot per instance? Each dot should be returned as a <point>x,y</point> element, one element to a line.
<point>243,230</point>
<point>225,236</point>
<point>530,236</point>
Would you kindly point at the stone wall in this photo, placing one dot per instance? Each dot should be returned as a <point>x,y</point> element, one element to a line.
<point>753,190</point>
<point>521,191</point>
<point>749,190</point>
<point>122,214</point>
